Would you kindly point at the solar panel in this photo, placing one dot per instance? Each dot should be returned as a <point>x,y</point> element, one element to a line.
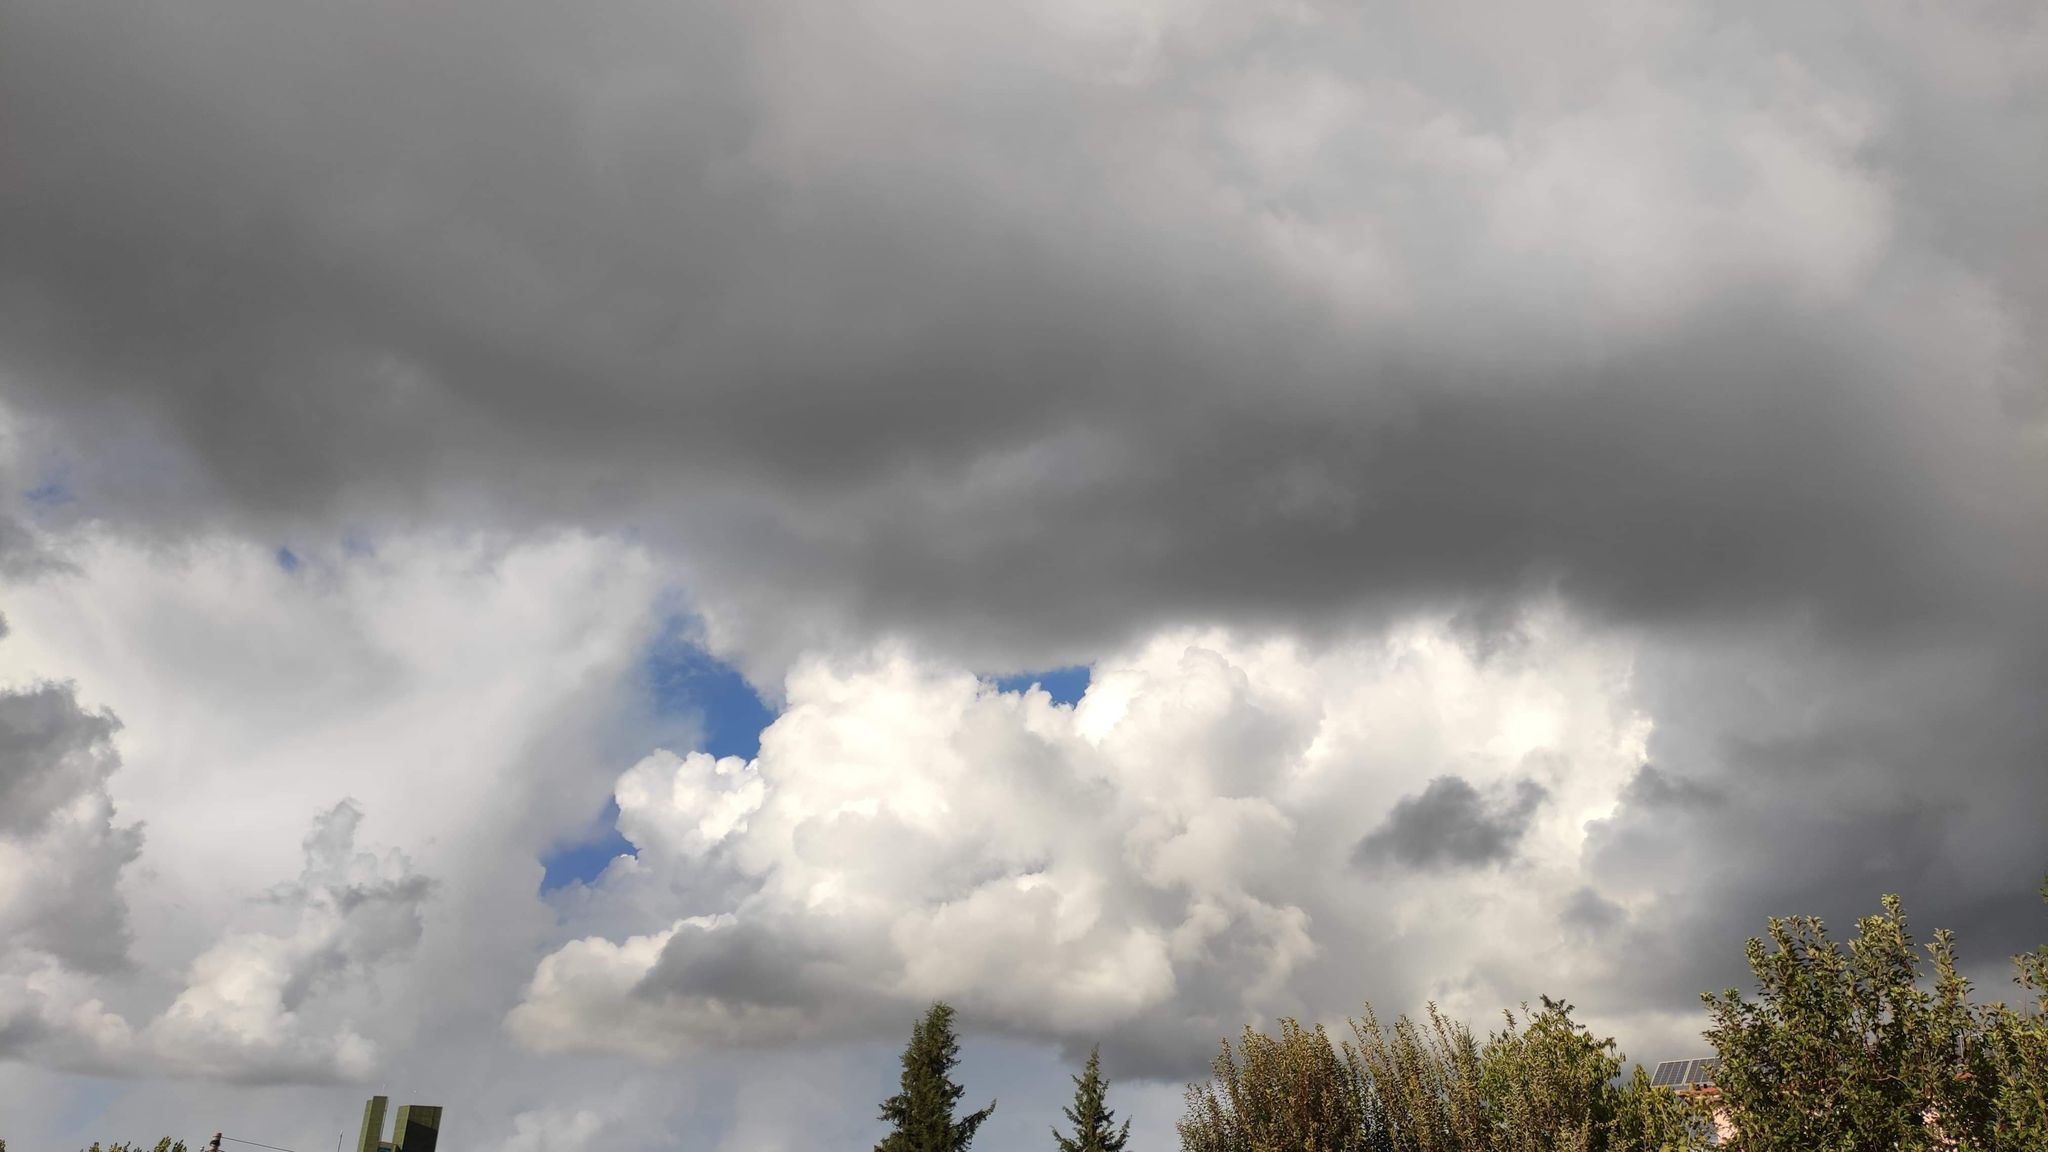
<point>1684,1073</point>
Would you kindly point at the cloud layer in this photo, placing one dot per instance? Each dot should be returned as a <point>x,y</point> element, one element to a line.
<point>1277,310</point>
<point>1582,468</point>
<point>1167,858</point>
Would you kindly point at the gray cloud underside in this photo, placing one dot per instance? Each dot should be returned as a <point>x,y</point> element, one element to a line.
<point>929,327</point>
<point>1449,824</point>
<point>55,757</point>
<point>51,749</point>
<point>953,367</point>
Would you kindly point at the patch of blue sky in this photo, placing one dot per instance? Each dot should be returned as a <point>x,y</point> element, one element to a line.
<point>682,681</point>
<point>1064,685</point>
<point>48,496</point>
<point>586,860</point>
<point>288,561</point>
<point>685,679</point>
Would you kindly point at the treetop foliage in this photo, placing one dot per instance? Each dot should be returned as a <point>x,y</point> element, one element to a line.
<point>1847,1047</point>
<point>1094,1123</point>
<point>1540,1084</point>
<point>921,1114</point>
<point>1868,1045</point>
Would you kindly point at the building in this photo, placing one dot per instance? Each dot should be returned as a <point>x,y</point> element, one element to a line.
<point>1694,1080</point>
<point>417,1127</point>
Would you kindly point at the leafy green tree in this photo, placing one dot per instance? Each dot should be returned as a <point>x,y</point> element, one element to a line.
<point>1843,1050</point>
<point>1093,1121</point>
<point>1288,1091</point>
<point>166,1144</point>
<point>1547,1088</point>
<point>921,1114</point>
<point>2018,1047</point>
<point>1646,1118</point>
<point>1418,1083</point>
<point>1954,1058</point>
<point>1542,1084</point>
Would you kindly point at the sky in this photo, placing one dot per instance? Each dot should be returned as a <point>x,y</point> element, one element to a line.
<point>584,562</point>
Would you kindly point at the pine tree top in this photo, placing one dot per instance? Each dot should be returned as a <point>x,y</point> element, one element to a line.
<point>921,1113</point>
<point>1091,1117</point>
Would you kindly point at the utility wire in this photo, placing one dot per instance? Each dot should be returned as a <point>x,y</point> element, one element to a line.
<point>253,1144</point>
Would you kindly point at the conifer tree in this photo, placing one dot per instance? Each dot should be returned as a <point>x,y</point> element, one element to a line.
<point>921,1115</point>
<point>1091,1118</point>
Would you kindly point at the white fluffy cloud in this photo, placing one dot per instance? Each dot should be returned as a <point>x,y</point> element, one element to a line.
<point>1170,857</point>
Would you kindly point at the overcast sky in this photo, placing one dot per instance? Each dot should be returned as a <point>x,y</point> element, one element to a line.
<point>528,532</point>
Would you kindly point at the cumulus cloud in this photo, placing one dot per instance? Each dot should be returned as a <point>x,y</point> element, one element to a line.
<point>63,919</point>
<point>239,1017</point>
<point>50,751</point>
<point>265,952</point>
<point>1146,868</point>
<point>1271,357</point>
<point>62,846</point>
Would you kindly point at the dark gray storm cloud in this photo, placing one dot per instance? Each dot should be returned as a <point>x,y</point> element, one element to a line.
<point>1020,338</point>
<point>1652,789</point>
<point>926,333</point>
<point>1799,783</point>
<point>1588,911</point>
<point>1450,824</point>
